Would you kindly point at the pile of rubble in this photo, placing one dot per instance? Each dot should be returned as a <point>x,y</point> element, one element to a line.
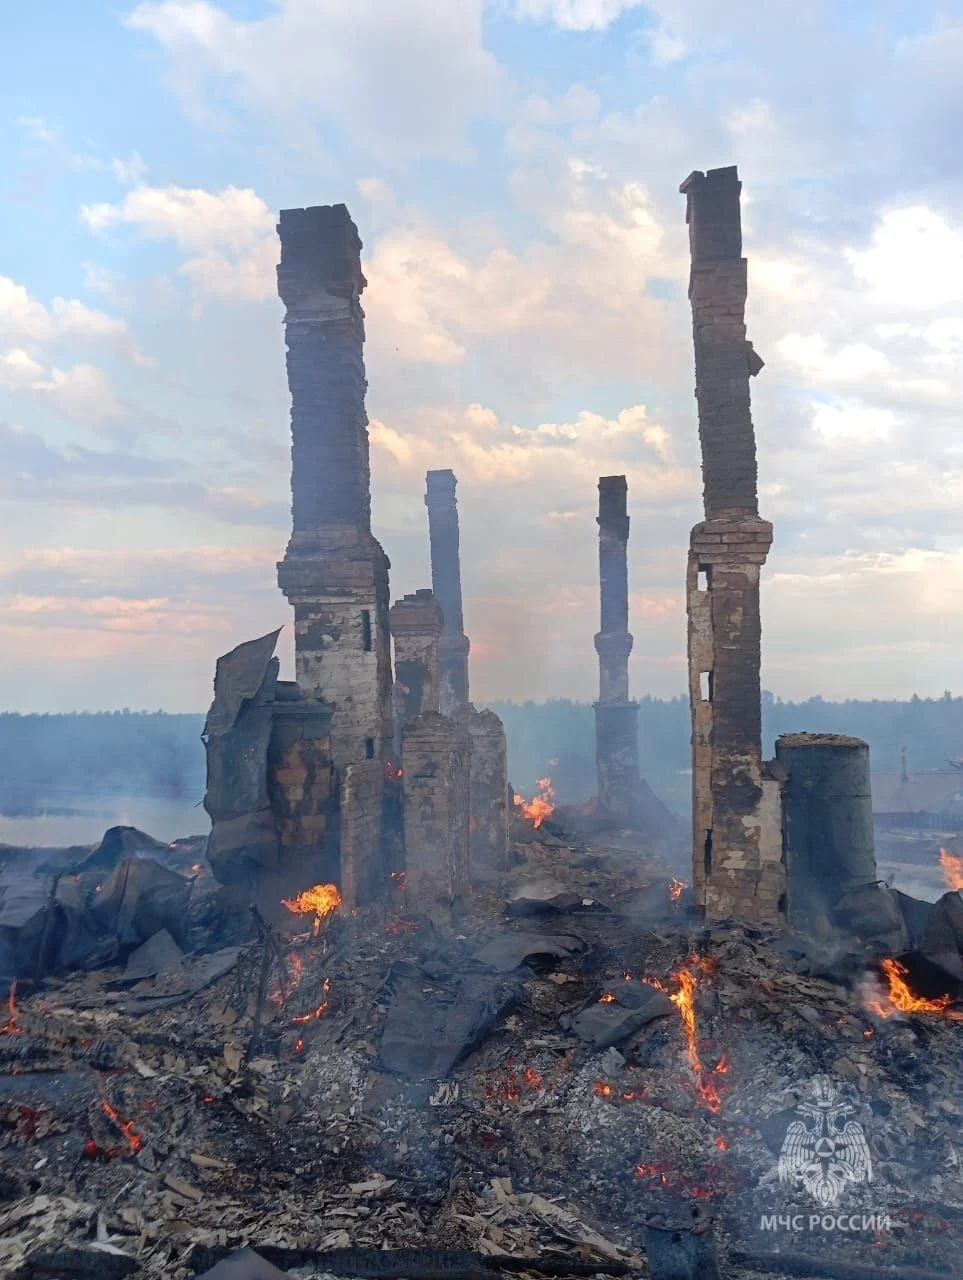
<point>537,1074</point>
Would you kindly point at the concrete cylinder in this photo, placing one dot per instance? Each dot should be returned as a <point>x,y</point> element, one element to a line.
<point>827,820</point>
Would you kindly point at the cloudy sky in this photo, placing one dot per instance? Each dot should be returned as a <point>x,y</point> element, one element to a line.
<point>513,167</point>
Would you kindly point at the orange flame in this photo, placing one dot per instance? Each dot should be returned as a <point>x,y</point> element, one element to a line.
<point>684,1001</point>
<point>11,1027</point>
<point>542,804</point>
<point>607,997</point>
<point>952,869</point>
<point>320,901</point>
<point>900,999</point>
<point>675,888</point>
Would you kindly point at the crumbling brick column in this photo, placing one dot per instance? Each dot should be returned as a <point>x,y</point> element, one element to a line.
<point>490,816</point>
<point>446,584</point>
<point>616,717</point>
<point>362,869</point>
<point>737,843</point>
<point>334,572</point>
<point>416,625</point>
<point>436,763</point>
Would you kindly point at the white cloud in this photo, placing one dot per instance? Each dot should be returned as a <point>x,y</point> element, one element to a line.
<point>193,218</point>
<point>28,323</point>
<point>19,369</point>
<point>230,233</point>
<point>398,77</point>
<point>915,260</point>
<point>852,423</point>
<point>575,15</point>
<point>81,393</point>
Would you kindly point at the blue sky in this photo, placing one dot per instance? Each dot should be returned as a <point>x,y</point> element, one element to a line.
<point>513,168</point>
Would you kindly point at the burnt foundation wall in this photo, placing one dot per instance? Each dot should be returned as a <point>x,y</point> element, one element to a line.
<point>827,820</point>
<point>436,782</point>
<point>490,816</point>
<point>363,872</point>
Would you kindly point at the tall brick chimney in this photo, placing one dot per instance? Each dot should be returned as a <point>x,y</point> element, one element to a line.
<point>616,717</point>
<point>334,572</point>
<point>737,849</point>
<point>446,585</point>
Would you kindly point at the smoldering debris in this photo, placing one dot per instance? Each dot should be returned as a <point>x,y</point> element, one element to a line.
<point>400,1094</point>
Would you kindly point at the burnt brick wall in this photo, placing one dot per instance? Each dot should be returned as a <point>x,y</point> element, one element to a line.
<point>416,624</point>
<point>436,764</point>
<point>363,872</point>
<point>488,800</point>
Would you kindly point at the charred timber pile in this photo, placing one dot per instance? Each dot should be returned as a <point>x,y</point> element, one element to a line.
<point>552,1074</point>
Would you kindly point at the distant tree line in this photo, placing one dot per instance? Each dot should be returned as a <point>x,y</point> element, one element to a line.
<point>46,758</point>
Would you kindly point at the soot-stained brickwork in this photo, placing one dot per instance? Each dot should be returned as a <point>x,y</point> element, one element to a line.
<point>436,760</point>
<point>362,871</point>
<point>737,842</point>
<point>416,625</point>
<point>334,572</point>
<point>446,584</point>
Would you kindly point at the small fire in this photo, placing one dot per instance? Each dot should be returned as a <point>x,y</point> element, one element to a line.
<point>11,1027</point>
<point>675,888</point>
<point>542,804</point>
<point>401,879</point>
<point>900,999</point>
<point>607,997</point>
<point>684,1001</point>
<point>601,1089</point>
<point>320,1011</point>
<point>393,771</point>
<point>721,1143</point>
<point>952,869</point>
<point>320,901</point>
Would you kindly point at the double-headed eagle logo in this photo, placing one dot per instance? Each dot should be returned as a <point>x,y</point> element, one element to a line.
<point>825,1150</point>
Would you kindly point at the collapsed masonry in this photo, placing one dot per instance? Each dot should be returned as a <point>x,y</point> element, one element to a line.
<point>297,771</point>
<point>771,839</point>
<point>623,795</point>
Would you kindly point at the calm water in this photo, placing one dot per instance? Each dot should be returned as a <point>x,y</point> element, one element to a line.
<point>92,815</point>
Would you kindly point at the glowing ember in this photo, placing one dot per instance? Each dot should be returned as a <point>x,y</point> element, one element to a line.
<point>952,869</point>
<point>131,1136</point>
<point>515,1084</point>
<point>602,1090</point>
<point>11,1027</point>
<point>393,771</point>
<point>675,888</point>
<point>541,806</point>
<point>320,1011</point>
<point>401,879</point>
<point>900,999</point>
<point>721,1143</point>
<point>607,997</point>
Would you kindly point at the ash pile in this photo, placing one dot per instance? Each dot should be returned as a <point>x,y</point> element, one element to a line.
<point>546,1072</point>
